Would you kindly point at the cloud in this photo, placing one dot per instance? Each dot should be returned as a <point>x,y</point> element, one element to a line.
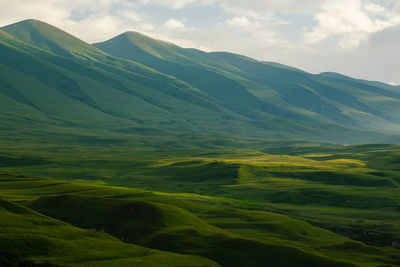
<point>13,11</point>
<point>374,8</point>
<point>174,4</point>
<point>376,59</point>
<point>174,24</point>
<point>240,22</point>
<point>265,9</point>
<point>352,21</point>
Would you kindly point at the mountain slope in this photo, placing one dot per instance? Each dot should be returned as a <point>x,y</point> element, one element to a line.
<point>61,84</point>
<point>279,90</point>
<point>168,58</point>
<point>137,96</point>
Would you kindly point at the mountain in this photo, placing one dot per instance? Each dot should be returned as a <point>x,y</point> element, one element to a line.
<point>279,90</point>
<point>133,85</point>
<point>113,91</point>
<point>47,37</point>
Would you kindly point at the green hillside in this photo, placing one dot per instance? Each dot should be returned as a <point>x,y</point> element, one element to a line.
<point>32,239</point>
<point>58,84</point>
<point>266,87</point>
<point>139,85</point>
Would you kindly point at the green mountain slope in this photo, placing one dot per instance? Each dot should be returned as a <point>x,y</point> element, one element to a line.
<point>139,85</point>
<point>102,93</point>
<point>267,87</point>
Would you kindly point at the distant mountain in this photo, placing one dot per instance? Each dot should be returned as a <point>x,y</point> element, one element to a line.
<point>51,82</point>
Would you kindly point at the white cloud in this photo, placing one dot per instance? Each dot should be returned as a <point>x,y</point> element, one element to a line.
<point>174,24</point>
<point>374,8</point>
<point>240,22</point>
<point>177,4</point>
<point>13,11</point>
<point>174,4</point>
<point>350,21</point>
<point>265,9</point>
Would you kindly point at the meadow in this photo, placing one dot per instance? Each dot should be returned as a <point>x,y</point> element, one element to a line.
<point>323,205</point>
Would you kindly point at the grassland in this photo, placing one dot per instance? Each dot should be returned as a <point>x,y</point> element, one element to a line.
<point>212,203</point>
<point>31,239</point>
<point>349,189</point>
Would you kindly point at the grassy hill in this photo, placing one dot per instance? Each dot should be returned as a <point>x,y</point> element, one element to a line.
<point>215,228</point>
<point>32,239</point>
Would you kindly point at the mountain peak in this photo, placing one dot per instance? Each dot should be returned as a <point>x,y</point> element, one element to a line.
<point>134,36</point>
<point>33,21</point>
<point>137,38</point>
<point>22,27</point>
<point>134,33</point>
<point>135,42</point>
<point>50,38</point>
<point>28,21</point>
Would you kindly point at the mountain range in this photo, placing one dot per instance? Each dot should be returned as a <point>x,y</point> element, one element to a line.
<point>52,82</point>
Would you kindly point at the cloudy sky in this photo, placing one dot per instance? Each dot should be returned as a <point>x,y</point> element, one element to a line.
<point>360,38</point>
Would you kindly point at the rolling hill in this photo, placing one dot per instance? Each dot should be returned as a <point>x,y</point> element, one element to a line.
<point>52,215</point>
<point>29,238</point>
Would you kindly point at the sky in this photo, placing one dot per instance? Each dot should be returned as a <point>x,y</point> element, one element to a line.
<point>359,38</point>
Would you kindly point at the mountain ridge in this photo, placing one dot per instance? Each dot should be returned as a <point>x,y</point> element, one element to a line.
<point>133,80</point>
<point>133,52</point>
